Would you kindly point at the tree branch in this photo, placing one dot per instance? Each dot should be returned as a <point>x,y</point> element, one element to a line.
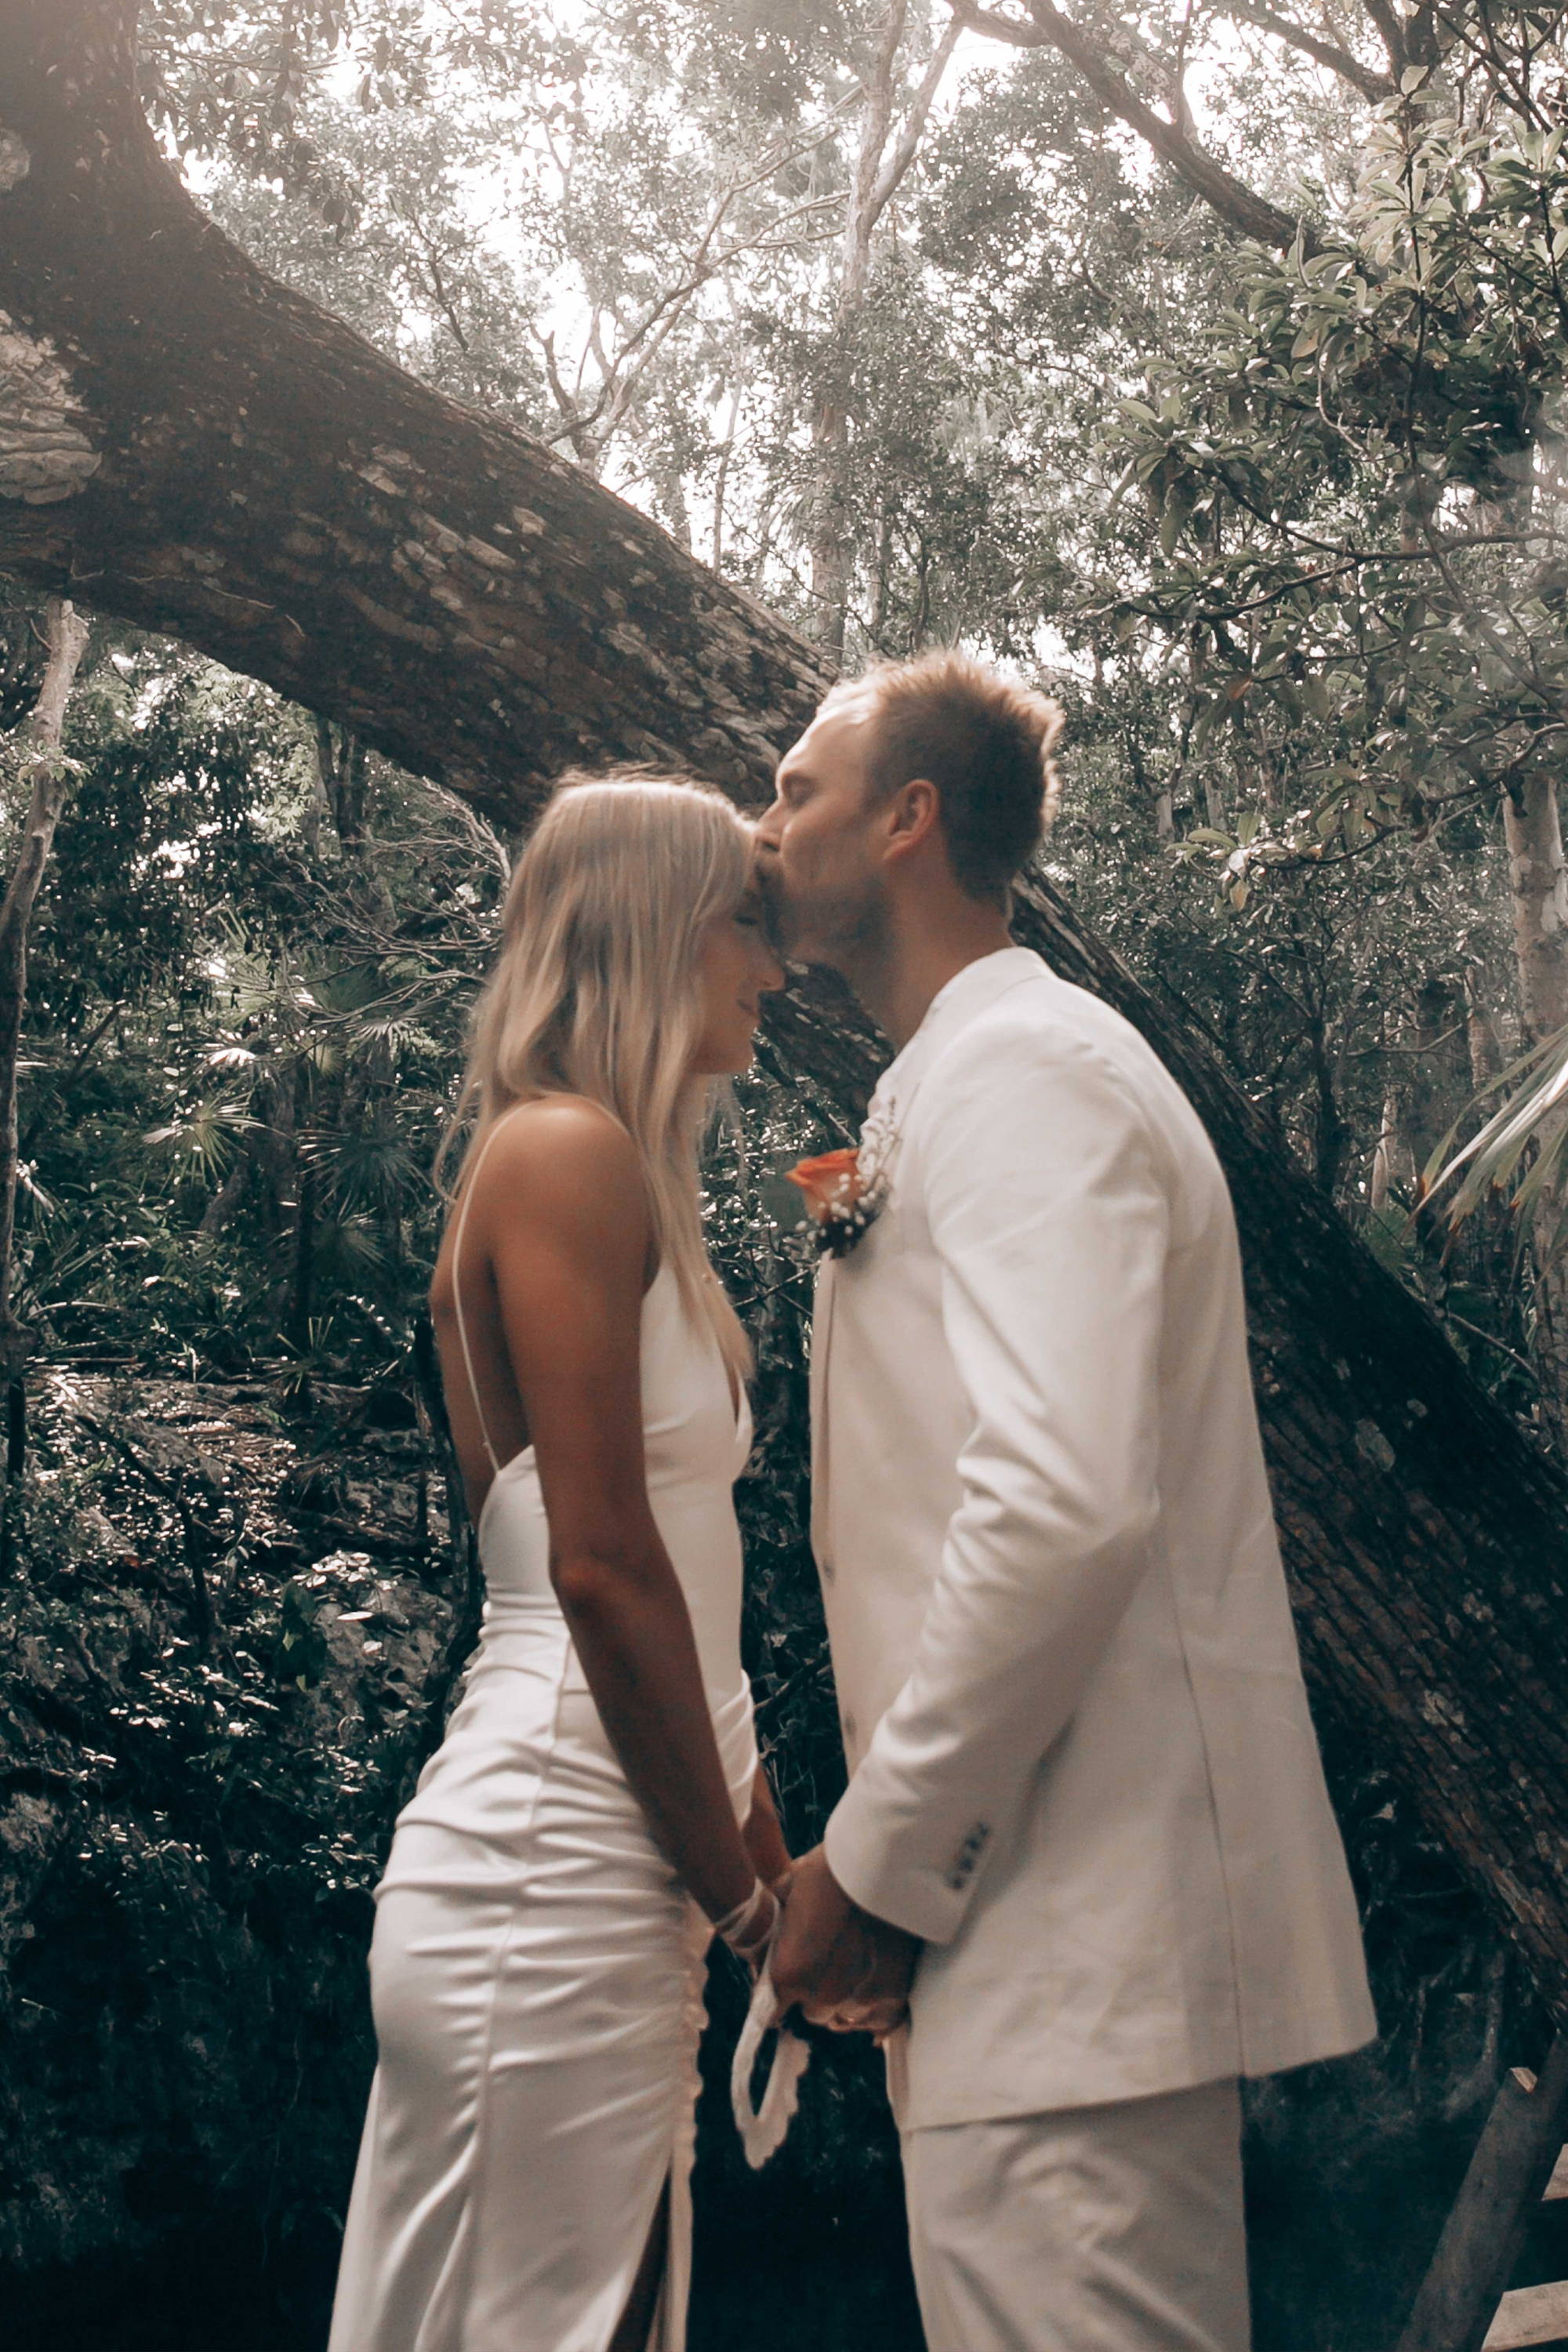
<point>1386,18</point>
<point>1230,198</point>
<point>1373,86</point>
<point>903,154</point>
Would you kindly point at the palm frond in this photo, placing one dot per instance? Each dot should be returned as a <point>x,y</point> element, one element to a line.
<point>208,1133</point>
<point>366,1167</point>
<point>1534,1112</point>
<point>348,1249</point>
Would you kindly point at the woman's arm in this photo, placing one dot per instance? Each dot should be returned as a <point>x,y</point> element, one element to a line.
<point>765,1838</point>
<point>565,1222</point>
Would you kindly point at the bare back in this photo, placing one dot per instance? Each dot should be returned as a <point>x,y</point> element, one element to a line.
<point>538,1287</point>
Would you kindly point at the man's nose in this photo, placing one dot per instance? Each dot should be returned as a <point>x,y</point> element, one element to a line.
<point>770,825</point>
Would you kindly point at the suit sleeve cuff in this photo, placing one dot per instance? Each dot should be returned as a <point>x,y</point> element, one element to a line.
<point>908,1895</point>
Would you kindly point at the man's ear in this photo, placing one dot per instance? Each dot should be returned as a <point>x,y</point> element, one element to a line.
<point>915,812</point>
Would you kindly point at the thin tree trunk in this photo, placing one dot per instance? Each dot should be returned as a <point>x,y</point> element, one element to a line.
<point>722,480</point>
<point>225,1200</point>
<point>878,172</point>
<point>1480,1037</point>
<point>1392,1163</point>
<point>1538,895</point>
<point>47,779</point>
<point>302,1286</point>
<point>1439,1085</point>
<point>1538,892</point>
<point>24,655</point>
<point>830,534</point>
<point>318,809</point>
<point>342,764</point>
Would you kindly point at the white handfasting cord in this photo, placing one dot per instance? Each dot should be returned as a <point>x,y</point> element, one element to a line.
<point>763,2128</point>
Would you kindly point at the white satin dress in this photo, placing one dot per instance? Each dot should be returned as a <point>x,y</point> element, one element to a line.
<point>537,1969</point>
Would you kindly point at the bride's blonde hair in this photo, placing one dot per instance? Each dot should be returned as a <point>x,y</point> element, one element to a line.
<point>597,991</point>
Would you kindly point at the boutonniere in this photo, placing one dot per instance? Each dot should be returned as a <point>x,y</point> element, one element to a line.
<point>846,1191</point>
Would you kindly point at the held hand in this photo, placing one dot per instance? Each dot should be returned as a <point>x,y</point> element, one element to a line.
<point>881,2003</point>
<point>842,1968</point>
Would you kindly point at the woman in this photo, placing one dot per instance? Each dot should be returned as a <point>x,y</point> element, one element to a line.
<point>597,1811</point>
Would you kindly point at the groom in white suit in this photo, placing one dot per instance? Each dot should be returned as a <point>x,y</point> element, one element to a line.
<point>1086,1828</point>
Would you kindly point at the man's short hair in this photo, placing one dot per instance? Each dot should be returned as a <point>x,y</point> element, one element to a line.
<point>987,746</point>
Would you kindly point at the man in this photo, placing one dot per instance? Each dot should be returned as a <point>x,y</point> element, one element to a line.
<point>1085,1808</point>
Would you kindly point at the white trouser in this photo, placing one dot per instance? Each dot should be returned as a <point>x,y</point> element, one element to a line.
<point>1105,2228</point>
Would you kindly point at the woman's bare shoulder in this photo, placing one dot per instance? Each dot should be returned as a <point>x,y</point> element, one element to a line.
<point>566,1160</point>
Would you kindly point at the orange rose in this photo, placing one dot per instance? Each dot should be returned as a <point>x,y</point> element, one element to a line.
<point>831,1183</point>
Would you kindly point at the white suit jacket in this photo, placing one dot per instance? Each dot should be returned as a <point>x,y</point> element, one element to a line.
<point>1082,1765</point>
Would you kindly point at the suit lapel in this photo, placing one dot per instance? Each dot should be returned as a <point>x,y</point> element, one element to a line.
<point>821,1341</point>
<point>978,986</point>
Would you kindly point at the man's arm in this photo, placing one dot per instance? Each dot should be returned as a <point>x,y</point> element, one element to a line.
<point>1049,1210</point>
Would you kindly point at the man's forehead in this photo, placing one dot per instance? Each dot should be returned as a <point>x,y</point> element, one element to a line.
<point>840,728</point>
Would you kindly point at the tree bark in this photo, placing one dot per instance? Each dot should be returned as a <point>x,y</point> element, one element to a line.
<point>268,487</point>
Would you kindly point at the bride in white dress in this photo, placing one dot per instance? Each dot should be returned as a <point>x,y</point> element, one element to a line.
<point>596,1812</point>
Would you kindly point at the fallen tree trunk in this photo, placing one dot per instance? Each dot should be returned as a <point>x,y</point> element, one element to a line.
<point>195,448</point>
<point>188,446</point>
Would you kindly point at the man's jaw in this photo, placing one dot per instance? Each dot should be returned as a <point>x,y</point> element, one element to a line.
<point>823,946</point>
<point>780,921</point>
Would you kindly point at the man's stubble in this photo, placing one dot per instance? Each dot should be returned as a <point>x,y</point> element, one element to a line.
<point>848,933</point>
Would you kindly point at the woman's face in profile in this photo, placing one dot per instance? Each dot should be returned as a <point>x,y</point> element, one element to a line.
<point>736,968</point>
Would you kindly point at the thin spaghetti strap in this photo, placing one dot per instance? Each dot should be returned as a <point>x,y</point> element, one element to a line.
<point>469,1180</point>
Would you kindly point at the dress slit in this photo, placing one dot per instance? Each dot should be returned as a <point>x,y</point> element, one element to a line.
<point>651,2341</point>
